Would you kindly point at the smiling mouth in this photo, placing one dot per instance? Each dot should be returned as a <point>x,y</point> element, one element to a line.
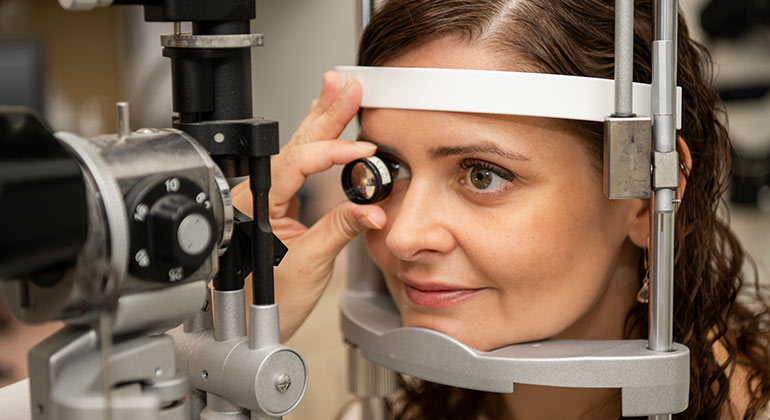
<point>437,296</point>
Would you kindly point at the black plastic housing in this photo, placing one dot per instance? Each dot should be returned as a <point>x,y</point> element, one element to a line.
<point>43,217</point>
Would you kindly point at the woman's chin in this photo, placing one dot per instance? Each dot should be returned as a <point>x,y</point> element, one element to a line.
<point>471,335</point>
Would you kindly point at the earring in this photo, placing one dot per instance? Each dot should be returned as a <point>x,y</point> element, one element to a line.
<point>644,293</point>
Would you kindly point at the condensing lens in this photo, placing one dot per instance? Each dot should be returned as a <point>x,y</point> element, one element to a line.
<point>363,180</point>
<point>367,181</point>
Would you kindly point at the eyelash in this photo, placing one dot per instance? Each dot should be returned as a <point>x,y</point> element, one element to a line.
<point>503,173</point>
<point>465,165</point>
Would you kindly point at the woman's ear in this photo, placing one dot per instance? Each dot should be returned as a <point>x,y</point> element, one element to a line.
<point>639,211</point>
<point>639,222</point>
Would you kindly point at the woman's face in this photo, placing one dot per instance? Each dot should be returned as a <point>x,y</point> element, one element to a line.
<point>502,233</point>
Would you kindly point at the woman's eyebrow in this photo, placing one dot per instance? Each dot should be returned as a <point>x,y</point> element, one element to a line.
<point>483,147</point>
<point>446,151</point>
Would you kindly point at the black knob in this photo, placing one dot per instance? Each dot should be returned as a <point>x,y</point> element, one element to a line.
<point>181,231</point>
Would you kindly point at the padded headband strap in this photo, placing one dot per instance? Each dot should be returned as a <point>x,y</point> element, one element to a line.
<point>496,92</point>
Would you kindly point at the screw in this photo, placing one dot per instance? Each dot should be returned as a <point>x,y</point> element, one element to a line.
<point>142,258</point>
<point>175,274</point>
<point>207,204</point>
<point>205,374</point>
<point>172,185</point>
<point>219,137</point>
<point>158,372</point>
<point>200,198</point>
<point>283,383</point>
<point>141,212</point>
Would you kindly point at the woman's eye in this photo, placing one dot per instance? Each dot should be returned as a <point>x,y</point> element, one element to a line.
<point>397,169</point>
<point>400,171</point>
<point>485,176</point>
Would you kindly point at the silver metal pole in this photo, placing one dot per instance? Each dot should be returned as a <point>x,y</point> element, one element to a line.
<point>374,409</point>
<point>664,136</point>
<point>624,57</point>
<point>367,9</point>
<point>124,120</point>
<point>662,205</point>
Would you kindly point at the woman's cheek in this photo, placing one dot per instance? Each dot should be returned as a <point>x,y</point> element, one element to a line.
<point>375,244</point>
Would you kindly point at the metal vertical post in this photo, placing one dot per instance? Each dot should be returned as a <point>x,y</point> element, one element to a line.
<point>364,11</point>
<point>664,138</point>
<point>624,57</point>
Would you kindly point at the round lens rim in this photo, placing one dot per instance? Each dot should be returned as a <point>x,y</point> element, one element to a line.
<point>381,190</point>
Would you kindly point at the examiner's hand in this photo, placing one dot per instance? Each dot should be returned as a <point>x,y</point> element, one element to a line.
<point>305,271</point>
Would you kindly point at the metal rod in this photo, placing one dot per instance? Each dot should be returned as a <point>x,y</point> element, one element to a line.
<point>262,251</point>
<point>229,314</point>
<point>367,9</point>
<point>662,206</point>
<point>375,409</point>
<point>124,120</point>
<point>662,272</point>
<point>624,57</point>
<point>364,11</point>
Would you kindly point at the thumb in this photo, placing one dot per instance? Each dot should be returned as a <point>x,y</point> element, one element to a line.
<point>343,223</point>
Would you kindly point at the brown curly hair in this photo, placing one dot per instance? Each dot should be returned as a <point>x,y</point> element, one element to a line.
<point>576,37</point>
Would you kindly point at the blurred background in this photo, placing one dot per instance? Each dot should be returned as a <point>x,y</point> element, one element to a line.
<point>72,67</point>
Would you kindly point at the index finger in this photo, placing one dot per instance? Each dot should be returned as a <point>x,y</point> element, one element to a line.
<point>290,169</point>
<point>326,121</point>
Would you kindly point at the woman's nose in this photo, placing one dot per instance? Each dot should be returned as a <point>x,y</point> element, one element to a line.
<point>421,223</point>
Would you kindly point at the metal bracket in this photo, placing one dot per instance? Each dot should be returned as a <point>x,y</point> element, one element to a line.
<point>651,382</point>
<point>627,166</point>
<point>666,170</point>
<point>212,41</point>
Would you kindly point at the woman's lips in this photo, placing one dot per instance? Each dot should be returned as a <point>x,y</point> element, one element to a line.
<point>436,296</point>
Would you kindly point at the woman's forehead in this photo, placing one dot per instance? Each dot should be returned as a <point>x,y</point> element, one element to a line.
<point>441,133</point>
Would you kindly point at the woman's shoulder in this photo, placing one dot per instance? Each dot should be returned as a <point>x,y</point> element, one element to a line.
<point>740,387</point>
<point>764,414</point>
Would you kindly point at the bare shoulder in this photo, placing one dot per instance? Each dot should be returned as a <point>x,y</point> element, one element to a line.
<point>740,395</point>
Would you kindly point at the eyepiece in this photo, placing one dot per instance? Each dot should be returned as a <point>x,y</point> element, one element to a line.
<point>367,181</point>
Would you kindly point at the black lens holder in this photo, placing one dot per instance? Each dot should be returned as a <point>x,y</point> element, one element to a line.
<point>381,172</point>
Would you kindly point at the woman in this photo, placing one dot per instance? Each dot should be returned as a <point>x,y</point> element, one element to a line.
<point>499,232</point>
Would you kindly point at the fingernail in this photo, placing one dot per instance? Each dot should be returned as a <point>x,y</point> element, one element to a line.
<point>372,224</point>
<point>366,146</point>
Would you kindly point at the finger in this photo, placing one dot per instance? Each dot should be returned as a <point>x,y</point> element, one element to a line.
<point>335,229</point>
<point>331,122</point>
<point>293,165</point>
<point>306,269</point>
<point>330,90</point>
<point>328,122</point>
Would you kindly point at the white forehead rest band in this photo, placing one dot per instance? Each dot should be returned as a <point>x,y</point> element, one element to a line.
<point>496,92</point>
